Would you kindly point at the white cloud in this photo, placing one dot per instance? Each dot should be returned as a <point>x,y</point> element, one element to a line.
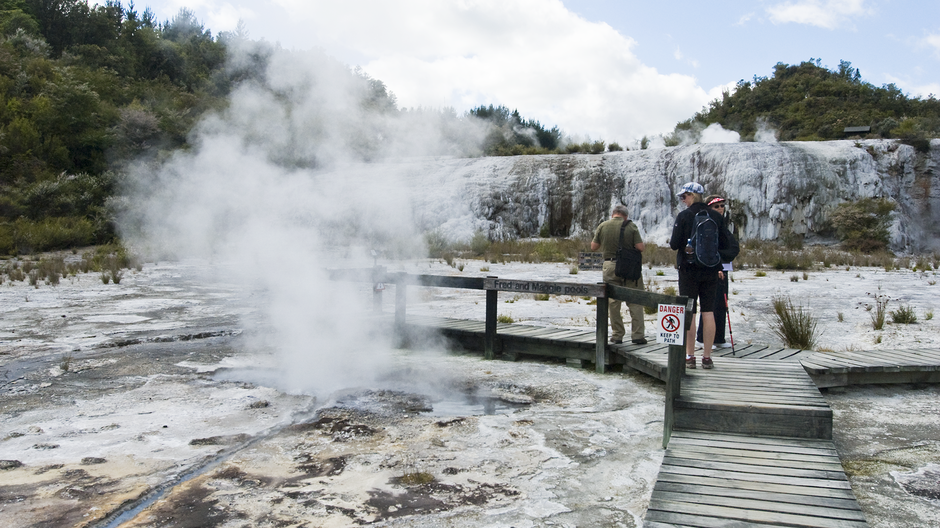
<point>718,91</point>
<point>533,55</point>
<point>933,42</point>
<point>913,88</point>
<point>219,16</point>
<point>745,19</point>
<point>828,14</point>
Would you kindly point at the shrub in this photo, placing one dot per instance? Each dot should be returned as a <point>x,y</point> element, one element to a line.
<point>436,242</point>
<point>655,255</point>
<point>904,315</point>
<point>28,236</point>
<point>794,325</point>
<point>614,147</point>
<point>504,319</point>
<point>760,273</point>
<point>863,225</point>
<point>788,260</point>
<point>479,243</point>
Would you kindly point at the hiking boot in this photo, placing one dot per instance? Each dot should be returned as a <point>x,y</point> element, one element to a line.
<point>690,362</point>
<point>616,341</point>
<point>640,341</point>
<point>722,345</point>
<point>707,363</point>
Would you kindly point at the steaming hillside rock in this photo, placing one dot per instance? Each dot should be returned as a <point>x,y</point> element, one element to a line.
<point>776,188</point>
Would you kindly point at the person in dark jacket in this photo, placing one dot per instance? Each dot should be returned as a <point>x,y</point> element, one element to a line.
<point>719,204</point>
<point>695,281</point>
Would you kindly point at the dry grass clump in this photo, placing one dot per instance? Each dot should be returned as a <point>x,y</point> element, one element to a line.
<point>795,326</point>
<point>904,315</point>
<point>878,311</point>
<point>755,254</point>
<point>109,260</point>
<point>416,478</point>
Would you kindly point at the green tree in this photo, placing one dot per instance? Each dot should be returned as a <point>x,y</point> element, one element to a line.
<point>810,102</point>
<point>863,225</point>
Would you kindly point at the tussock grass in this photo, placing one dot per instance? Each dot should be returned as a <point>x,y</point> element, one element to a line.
<point>904,315</point>
<point>755,254</point>
<point>416,478</point>
<point>878,311</point>
<point>793,324</point>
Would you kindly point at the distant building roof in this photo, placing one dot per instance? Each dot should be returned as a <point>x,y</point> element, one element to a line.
<point>857,130</point>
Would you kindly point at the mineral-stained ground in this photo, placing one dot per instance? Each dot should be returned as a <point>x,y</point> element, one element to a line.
<point>149,403</point>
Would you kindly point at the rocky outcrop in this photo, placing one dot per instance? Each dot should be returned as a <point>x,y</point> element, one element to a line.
<point>776,189</point>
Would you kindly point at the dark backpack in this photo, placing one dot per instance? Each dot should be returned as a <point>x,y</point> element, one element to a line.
<point>704,241</point>
<point>629,263</point>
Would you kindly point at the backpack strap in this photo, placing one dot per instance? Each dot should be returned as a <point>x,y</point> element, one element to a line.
<point>622,227</point>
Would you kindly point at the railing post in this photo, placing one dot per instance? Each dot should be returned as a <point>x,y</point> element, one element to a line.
<point>401,299</point>
<point>600,346</point>
<point>378,285</point>
<point>674,375</point>
<point>673,387</point>
<point>489,336</point>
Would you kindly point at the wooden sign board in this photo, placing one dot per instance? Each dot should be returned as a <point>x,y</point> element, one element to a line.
<point>588,261</point>
<point>551,288</point>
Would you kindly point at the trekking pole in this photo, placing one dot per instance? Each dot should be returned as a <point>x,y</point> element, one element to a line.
<point>730,333</point>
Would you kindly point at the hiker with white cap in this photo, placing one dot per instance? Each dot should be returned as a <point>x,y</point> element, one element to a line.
<point>699,236</point>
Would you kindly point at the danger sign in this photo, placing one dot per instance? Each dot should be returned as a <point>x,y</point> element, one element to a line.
<point>669,330</point>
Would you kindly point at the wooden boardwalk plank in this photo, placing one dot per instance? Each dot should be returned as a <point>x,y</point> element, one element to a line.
<point>767,502</point>
<point>776,496</point>
<point>722,480</point>
<point>743,515</point>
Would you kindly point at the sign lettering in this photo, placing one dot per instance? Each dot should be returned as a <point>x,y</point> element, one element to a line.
<point>669,329</point>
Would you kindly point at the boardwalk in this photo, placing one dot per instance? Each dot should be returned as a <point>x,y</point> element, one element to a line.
<point>752,444</point>
<point>749,443</point>
<point>720,480</point>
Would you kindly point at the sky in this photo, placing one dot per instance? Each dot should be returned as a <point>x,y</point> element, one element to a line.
<point>615,70</point>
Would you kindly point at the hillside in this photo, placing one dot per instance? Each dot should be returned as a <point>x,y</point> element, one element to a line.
<point>807,102</point>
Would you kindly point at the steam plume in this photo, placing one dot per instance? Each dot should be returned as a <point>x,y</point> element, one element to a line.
<point>272,189</point>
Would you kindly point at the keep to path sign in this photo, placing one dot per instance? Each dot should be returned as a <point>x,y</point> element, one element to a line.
<point>669,330</point>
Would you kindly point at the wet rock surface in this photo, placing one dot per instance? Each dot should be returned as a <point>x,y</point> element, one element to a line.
<point>888,438</point>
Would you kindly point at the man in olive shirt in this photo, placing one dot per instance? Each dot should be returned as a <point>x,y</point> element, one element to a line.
<point>607,239</point>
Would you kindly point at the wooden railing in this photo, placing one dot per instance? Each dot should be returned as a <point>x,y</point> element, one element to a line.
<point>379,276</point>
